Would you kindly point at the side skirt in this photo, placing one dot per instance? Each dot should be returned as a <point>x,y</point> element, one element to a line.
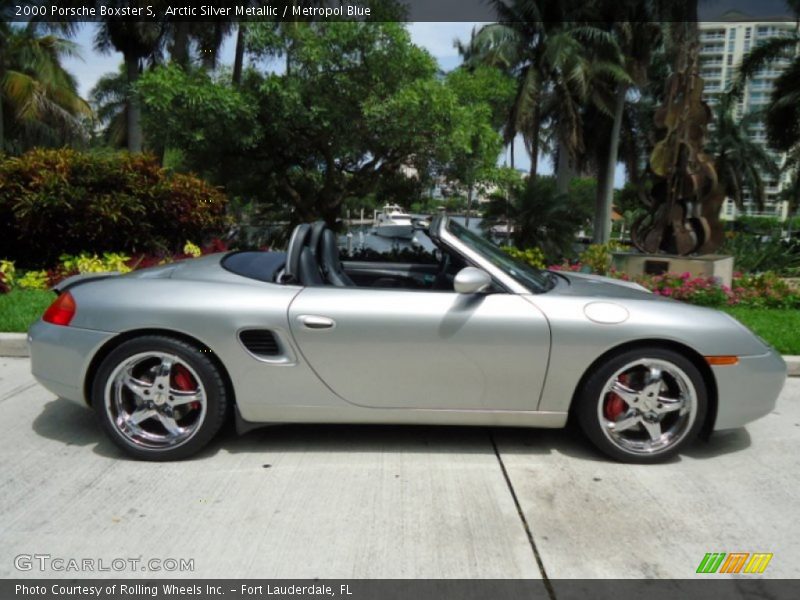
<point>403,416</point>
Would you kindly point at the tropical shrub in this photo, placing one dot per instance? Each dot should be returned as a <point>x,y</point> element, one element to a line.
<point>533,256</point>
<point>756,253</point>
<point>4,287</point>
<point>34,280</point>
<point>86,263</point>
<point>542,217</point>
<point>67,202</point>
<point>598,256</point>
<point>8,272</point>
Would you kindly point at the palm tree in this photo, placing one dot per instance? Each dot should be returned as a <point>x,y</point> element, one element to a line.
<point>110,102</point>
<point>238,55</point>
<point>136,41</point>
<point>739,161</point>
<point>38,97</point>
<point>556,64</point>
<point>637,37</point>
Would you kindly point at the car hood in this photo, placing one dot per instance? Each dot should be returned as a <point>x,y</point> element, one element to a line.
<point>583,284</point>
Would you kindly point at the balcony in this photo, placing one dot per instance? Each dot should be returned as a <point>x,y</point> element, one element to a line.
<point>712,49</point>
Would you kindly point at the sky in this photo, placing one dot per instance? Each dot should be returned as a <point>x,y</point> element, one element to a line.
<point>437,38</point>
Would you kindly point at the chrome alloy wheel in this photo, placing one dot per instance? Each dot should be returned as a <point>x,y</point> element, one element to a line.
<point>647,406</point>
<point>155,400</point>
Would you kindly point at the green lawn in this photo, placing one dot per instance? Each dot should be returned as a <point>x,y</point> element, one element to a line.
<point>779,326</point>
<point>20,308</point>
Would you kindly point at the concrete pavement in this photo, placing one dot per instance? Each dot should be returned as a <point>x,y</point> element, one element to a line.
<point>394,502</point>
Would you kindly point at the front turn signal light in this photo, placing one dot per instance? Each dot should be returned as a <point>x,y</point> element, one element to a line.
<point>721,361</point>
<point>61,311</point>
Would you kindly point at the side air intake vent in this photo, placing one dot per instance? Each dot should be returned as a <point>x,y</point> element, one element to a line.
<point>260,342</point>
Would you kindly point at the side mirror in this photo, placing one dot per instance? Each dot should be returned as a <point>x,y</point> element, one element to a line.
<point>470,280</point>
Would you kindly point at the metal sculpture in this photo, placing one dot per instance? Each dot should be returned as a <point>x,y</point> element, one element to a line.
<point>685,197</point>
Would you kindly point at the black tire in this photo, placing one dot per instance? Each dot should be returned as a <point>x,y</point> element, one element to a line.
<point>211,384</point>
<point>591,397</point>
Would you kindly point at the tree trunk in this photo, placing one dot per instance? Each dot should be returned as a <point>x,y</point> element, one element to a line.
<point>511,148</point>
<point>180,45</point>
<point>2,130</point>
<point>533,145</point>
<point>469,205</point>
<point>563,170</point>
<point>238,61</point>
<point>605,184</point>
<point>134,113</point>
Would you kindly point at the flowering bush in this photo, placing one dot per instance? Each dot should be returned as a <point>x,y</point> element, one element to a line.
<point>4,287</point>
<point>765,290</point>
<point>705,291</point>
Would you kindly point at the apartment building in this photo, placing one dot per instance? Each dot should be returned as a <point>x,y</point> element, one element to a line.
<point>723,44</point>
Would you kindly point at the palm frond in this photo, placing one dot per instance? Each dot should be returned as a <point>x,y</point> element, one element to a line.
<point>758,58</point>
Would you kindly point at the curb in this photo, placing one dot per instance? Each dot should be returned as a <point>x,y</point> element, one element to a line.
<point>16,345</point>
<point>792,365</point>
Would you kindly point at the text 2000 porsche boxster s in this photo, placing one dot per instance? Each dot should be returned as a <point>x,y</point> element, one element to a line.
<point>164,354</point>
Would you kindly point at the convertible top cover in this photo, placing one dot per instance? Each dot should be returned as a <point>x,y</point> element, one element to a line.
<point>262,266</point>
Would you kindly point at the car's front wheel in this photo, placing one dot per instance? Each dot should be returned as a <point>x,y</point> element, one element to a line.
<point>159,398</point>
<point>643,405</point>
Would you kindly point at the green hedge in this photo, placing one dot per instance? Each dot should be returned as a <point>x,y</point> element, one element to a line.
<point>54,202</point>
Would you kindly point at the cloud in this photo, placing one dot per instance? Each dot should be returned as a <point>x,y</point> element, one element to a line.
<point>438,38</point>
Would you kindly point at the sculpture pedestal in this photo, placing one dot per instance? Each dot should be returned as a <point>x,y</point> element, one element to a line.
<point>709,265</point>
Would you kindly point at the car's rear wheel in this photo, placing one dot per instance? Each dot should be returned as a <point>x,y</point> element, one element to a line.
<point>643,405</point>
<point>159,398</point>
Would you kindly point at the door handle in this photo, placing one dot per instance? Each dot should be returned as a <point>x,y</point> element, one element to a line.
<point>316,322</point>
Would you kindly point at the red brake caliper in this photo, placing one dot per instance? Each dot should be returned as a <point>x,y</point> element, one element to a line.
<point>614,406</point>
<point>182,380</point>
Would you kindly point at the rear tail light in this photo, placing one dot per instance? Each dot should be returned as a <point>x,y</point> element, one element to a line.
<point>61,311</point>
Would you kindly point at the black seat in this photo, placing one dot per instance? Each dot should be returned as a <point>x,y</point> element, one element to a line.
<point>309,268</point>
<point>331,265</point>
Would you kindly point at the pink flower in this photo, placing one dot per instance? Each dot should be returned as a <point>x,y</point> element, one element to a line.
<point>666,292</point>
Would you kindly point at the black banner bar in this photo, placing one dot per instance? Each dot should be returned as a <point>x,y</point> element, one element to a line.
<point>322,10</point>
<point>745,587</point>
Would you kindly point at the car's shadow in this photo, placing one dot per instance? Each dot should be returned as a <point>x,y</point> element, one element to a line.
<point>571,442</point>
<point>66,422</point>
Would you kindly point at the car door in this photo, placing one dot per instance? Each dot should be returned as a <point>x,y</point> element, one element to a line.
<point>423,349</point>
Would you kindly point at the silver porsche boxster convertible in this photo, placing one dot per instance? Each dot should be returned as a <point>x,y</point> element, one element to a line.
<point>164,355</point>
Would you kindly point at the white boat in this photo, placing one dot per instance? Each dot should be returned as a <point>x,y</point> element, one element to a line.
<point>392,222</point>
<point>502,228</point>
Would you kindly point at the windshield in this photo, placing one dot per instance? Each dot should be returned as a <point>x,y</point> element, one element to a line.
<point>534,279</point>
